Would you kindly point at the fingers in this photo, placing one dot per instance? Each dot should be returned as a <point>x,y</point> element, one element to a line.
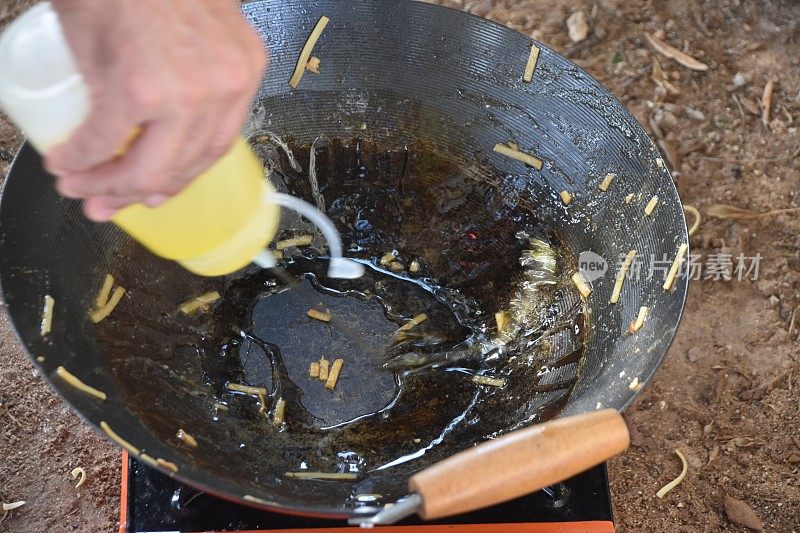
<point>96,141</point>
<point>142,171</point>
<point>103,208</point>
<point>184,79</point>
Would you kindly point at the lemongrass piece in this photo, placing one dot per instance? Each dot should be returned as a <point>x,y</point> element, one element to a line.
<point>198,302</point>
<point>414,266</point>
<point>40,359</point>
<point>533,59</point>
<point>313,65</point>
<point>501,318</point>
<point>580,283</point>
<point>259,392</point>
<point>280,411</point>
<point>414,322</point>
<point>691,210</point>
<point>676,265</point>
<point>660,163</point>
<point>651,206</point>
<point>70,379</point>
<point>322,316</point>
<point>151,461</point>
<point>387,258</point>
<point>623,272</point>
<point>322,475</point>
<point>396,266</point>
<point>566,197</point>
<point>333,376</point>
<point>172,467</point>
<point>606,183</point>
<point>220,407</point>
<point>12,506</point>
<point>677,481</point>
<point>302,240</point>
<point>514,153</point>
<point>305,53</point>
<point>186,438</point>
<point>247,389</point>
<point>101,314</point>
<point>629,198</point>
<point>130,448</point>
<point>313,370</point>
<point>637,324</point>
<point>489,381</point>
<point>47,315</point>
<point>324,369</point>
<point>634,385</point>
<point>76,472</point>
<point>105,291</point>
<point>187,308</point>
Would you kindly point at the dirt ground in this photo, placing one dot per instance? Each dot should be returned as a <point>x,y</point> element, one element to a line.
<point>726,395</point>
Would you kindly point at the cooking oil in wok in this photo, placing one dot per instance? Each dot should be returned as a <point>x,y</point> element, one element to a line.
<point>404,399</point>
<point>424,385</point>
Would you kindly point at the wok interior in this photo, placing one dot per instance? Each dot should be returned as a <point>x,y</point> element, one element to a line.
<point>420,199</point>
<point>148,359</point>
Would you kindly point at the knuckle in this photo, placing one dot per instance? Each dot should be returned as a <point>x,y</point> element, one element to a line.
<point>149,185</point>
<point>195,93</point>
<point>145,94</point>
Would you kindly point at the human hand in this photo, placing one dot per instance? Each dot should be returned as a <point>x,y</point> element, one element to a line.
<point>181,72</point>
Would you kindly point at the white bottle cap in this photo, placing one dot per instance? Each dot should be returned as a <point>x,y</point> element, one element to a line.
<point>40,87</point>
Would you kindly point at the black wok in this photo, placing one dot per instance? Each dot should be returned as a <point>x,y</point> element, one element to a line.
<point>407,91</point>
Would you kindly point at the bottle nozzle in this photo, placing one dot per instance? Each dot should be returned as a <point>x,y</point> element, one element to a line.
<point>339,267</point>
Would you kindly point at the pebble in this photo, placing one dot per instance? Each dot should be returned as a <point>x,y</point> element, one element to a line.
<point>693,354</point>
<point>482,8</point>
<point>695,114</point>
<point>577,27</point>
<point>774,300</point>
<point>739,80</point>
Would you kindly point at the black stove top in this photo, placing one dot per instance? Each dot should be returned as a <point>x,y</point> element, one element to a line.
<point>157,503</point>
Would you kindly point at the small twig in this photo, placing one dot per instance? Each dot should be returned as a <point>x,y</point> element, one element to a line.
<point>791,324</point>
<point>700,24</point>
<point>739,106</point>
<point>766,102</point>
<point>776,159</point>
<point>8,413</point>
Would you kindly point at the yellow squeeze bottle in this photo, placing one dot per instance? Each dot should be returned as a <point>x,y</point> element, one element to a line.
<point>217,225</point>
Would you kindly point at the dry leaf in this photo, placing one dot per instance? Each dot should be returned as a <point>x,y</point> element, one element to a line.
<point>750,105</point>
<point>731,212</point>
<point>740,513</point>
<point>659,76</point>
<point>673,53</point>
<point>672,154</point>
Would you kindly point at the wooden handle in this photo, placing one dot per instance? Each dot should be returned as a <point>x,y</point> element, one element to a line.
<point>519,463</point>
